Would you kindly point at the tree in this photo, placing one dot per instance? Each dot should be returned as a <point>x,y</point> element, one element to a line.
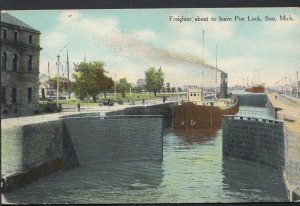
<point>154,79</point>
<point>90,79</point>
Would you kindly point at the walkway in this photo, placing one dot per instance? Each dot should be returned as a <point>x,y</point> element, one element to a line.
<point>290,114</point>
<point>35,119</point>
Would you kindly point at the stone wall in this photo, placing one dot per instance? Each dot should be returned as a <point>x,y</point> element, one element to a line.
<point>21,79</point>
<point>160,109</point>
<point>115,138</point>
<point>28,146</point>
<point>254,139</point>
<point>271,109</point>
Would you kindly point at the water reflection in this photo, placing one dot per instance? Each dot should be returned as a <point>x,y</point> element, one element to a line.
<point>104,183</point>
<point>196,136</point>
<point>251,180</point>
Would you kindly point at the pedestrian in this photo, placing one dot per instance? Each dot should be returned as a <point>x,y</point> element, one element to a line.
<point>78,107</point>
<point>143,101</point>
<point>164,99</point>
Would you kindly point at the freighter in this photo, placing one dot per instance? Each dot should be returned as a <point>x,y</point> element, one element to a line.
<point>201,110</point>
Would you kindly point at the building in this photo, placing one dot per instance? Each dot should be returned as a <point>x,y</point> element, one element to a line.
<point>20,53</point>
<point>195,95</point>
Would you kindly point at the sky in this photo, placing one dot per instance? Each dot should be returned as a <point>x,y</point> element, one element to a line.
<point>130,41</point>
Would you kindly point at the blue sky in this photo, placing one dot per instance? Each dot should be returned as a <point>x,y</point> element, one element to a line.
<point>130,41</point>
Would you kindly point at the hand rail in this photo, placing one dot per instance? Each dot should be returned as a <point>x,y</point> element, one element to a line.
<point>257,119</point>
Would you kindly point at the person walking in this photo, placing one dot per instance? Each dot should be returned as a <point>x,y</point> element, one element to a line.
<point>78,107</point>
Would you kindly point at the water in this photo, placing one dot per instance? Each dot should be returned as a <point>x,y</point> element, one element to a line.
<point>193,170</point>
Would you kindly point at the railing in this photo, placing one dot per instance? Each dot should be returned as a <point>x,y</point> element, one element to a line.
<point>253,113</point>
<point>113,117</point>
<point>247,118</point>
<point>79,112</point>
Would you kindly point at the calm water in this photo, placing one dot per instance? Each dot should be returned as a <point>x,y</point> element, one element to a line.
<point>192,171</point>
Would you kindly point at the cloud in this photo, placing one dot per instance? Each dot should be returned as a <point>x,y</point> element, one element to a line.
<point>146,35</point>
<point>53,40</point>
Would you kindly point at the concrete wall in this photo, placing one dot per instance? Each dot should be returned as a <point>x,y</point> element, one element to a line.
<point>254,139</point>
<point>28,146</point>
<point>161,109</point>
<point>254,100</point>
<point>105,139</point>
<point>271,109</point>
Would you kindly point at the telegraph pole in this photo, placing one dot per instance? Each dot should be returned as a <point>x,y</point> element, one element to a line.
<point>203,46</point>
<point>48,71</point>
<point>57,81</point>
<point>68,68</point>
<point>68,73</point>
<point>216,71</point>
<point>115,76</point>
<point>297,84</point>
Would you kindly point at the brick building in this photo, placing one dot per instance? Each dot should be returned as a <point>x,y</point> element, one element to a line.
<point>20,53</point>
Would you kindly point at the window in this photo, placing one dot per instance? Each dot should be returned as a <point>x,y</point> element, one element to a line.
<point>29,94</point>
<point>14,95</point>
<point>15,35</point>
<point>4,33</point>
<point>15,61</point>
<point>191,94</point>
<point>4,60</point>
<point>194,94</point>
<point>30,63</point>
<point>3,95</point>
<point>30,39</point>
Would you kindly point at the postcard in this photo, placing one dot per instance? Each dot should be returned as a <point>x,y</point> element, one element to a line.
<point>161,105</point>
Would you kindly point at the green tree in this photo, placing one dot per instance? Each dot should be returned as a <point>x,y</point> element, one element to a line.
<point>90,79</point>
<point>154,80</point>
<point>123,86</point>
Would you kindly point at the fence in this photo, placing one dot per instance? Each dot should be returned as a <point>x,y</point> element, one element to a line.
<point>248,118</point>
<point>81,112</point>
<point>253,113</point>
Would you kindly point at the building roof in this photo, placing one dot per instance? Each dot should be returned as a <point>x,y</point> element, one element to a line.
<point>9,19</point>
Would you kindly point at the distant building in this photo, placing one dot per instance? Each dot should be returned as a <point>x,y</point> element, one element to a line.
<point>20,54</point>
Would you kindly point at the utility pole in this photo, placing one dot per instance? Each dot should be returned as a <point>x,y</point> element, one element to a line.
<point>68,73</point>
<point>57,81</point>
<point>115,76</point>
<point>216,71</point>
<point>68,68</point>
<point>48,70</point>
<point>202,89</point>
<point>297,84</point>
<point>203,45</point>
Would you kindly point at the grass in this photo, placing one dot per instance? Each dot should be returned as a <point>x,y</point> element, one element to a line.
<point>131,97</point>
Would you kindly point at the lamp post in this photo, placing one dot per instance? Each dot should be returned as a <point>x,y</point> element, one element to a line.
<point>66,46</point>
